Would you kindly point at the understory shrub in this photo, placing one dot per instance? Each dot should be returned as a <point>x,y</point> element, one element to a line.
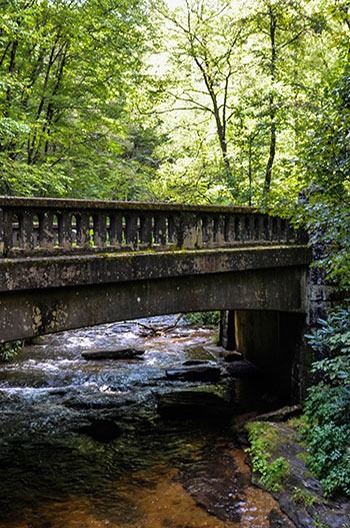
<point>327,406</point>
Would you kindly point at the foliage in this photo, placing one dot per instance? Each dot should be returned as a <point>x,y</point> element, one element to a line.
<point>203,318</point>
<point>272,472</point>
<point>243,81</point>
<point>212,102</point>
<point>302,497</point>
<point>9,350</point>
<point>325,211</point>
<point>69,76</point>
<point>328,404</point>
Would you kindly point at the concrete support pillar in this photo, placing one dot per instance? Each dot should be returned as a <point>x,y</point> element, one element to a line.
<point>271,340</point>
<point>227,330</point>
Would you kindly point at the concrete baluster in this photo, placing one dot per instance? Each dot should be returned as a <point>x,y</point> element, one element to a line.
<point>145,231</point>
<point>131,229</point>
<point>8,230</point>
<point>83,229</point>
<point>159,229</point>
<point>65,229</point>
<point>46,231</point>
<point>268,228</point>
<point>205,230</point>
<point>275,229</point>
<point>191,226</point>
<point>171,231</point>
<point>219,230</point>
<point>236,229</point>
<point>115,229</point>
<point>257,228</point>
<point>36,229</point>
<point>26,235</point>
<point>100,229</point>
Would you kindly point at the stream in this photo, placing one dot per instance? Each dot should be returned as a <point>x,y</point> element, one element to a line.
<point>146,442</point>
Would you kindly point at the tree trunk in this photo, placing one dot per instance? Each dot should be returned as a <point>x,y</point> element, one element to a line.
<point>272,107</point>
<point>272,152</point>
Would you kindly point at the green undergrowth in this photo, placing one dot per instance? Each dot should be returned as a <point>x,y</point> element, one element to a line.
<point>327,407</point>
<point>203,318</point>
<point>263,439</point>
<point>9,350</point>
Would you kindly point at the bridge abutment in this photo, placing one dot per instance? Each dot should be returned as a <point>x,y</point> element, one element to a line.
<point>273,341</point>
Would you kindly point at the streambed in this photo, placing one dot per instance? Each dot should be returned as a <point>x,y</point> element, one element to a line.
<point>89,444</point>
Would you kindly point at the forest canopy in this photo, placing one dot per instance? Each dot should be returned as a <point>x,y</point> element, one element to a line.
<point>207,102</point>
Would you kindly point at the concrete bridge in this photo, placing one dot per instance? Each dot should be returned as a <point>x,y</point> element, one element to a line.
<point>70,263</point>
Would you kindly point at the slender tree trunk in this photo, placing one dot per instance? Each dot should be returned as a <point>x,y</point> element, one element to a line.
<point>11,70</point>
<point>272,106</point>
<point>221,131</point>
<point>250,170</point>
<point>272,151</point>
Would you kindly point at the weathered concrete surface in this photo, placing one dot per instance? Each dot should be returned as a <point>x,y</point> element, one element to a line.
<point>62,271</point>
<point>26,313</point>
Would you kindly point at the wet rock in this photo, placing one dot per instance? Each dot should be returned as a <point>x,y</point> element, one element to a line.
<point>242,369</point>
<point>200,352</point>
<point>118,352</point>
<point>202,372</point>
<point>216,485</point>
<point>276,519</point>
<point>230,356</point>
<point>301,497</point>
<point>196,402</point>
<point>191,362</point>
<point>280,415</point>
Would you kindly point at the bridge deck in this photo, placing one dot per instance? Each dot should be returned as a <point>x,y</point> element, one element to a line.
<point>71,263</point>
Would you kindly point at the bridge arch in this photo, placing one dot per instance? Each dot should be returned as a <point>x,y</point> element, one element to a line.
<point>130,260</point>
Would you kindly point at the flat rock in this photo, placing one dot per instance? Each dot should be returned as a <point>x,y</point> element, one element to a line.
<point>117,352</point>
<point>280,415</point>
<point>231,355</point>
<point>199,352</point>
<point>198,402</point>
<point>216,486</point>
<point>196,372</point>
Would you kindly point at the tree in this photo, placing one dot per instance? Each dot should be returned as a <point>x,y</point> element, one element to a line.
<point>67,70</point>
<point>206,41</point>
<point>234,69</point>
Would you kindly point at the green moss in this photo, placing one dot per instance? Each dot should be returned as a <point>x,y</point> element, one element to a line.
<point>263,439</point>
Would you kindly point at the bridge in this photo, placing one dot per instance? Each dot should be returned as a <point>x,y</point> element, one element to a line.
<point>66,264</point>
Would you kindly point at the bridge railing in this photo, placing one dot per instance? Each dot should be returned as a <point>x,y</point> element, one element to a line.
<point>48,226</point>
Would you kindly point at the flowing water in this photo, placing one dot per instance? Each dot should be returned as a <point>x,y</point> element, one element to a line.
<point>96,443</point>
